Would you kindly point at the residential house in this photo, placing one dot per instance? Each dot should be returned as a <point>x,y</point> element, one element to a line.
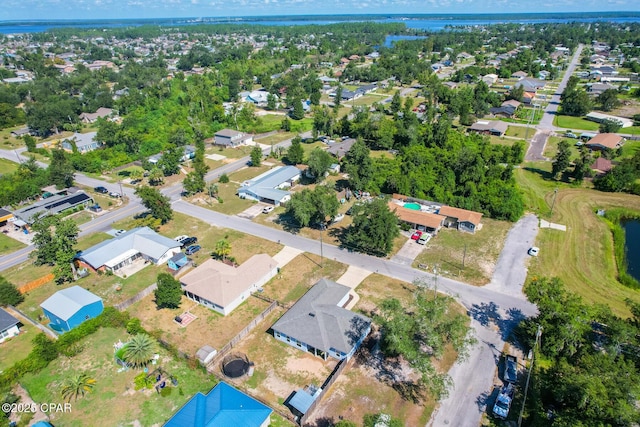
<point>528,97</point>
<point>489,127</point>
<point>231,138</point>
<point>188,153</point>
<point>341,148</point>
<point>20,132</point>
<point>84,142</point>
<point>8,326</point>
<point>123,250</point>
<point>605,140</point>
<point>223,406</point>
<point>68,308</point>
<point>519,75</point>
<point>5,216</point>
<point>258,97</point>
<point>461,219</point>
<point>319,324</point>
<point>51,206</point>
<point>601,166</point>
<point>530,84</point>
<point>93,117</point>
<point>490,79</point>
<point>222,287</point>
<point>419,220</point>
<point>595,89</point>
<point>506,109</point>
<point>268,187</point>
<point>601,118</point>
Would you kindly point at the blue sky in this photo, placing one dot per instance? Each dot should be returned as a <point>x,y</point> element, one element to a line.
<point>101,9</point>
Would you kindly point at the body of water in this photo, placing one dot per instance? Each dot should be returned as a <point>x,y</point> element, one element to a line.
<point>390,40</point>
<point>632,247</point>
<point>427,24</point>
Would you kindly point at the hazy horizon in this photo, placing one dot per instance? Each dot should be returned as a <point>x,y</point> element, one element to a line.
<point>24,10</point>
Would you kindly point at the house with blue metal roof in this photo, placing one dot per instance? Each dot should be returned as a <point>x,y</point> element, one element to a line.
<point>269,186</point>
<point>69,307</point>
<point>141,242</point>
<point>223,406</point>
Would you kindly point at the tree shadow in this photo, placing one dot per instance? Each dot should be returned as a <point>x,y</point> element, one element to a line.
<point>288,223</point>
<point>410,390</point>
<point>546,175</point>
<point>323,422</point>
<point>487,313</point>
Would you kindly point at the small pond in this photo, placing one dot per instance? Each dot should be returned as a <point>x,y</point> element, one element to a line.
<point>632,246</point>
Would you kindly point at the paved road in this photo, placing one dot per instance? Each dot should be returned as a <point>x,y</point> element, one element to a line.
<point>536,146</point>
<point>492,320</point>
<point>552,107</point>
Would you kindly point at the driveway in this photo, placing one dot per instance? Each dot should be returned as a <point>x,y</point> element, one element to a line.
<point>407,253</point>
<point>536,146</point>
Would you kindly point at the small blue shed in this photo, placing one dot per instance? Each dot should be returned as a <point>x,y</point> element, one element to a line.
<point>69,307</point>
<point>223,406</point>
<point>177,261</point>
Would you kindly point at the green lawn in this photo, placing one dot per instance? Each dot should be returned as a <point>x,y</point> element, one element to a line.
<point>9,245</point>
<point>308,148</point>
<point>7,166</point>
<point>18,347</point>
<point>480,251</point>
<point>577,123</point>
<point>381,153</point>
<point>276,138</point>
<point>519,131</point>
<point>583,255</point>
<point>271,122</point>
<point>114,401</point>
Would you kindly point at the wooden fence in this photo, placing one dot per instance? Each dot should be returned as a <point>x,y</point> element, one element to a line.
<point>36,283</point>
<point>137,297</point>
<point>325,386</point>
<point>243,333</point>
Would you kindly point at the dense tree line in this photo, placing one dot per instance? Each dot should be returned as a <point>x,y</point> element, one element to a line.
<point>622,178</point>
<point>591,374</point>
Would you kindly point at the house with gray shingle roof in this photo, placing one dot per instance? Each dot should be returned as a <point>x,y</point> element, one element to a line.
<point>319,324</point>
<point>8,326</point>
<point>70,307</point>
<point>141,242</point>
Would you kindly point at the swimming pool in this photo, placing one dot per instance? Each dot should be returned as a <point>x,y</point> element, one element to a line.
<point>413,206</point>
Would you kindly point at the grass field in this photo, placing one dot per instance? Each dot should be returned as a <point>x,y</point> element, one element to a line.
<point>7,166</point>
<point>446,252</point>
<point>18,347</point>
<point>275,138</point>
<point>583,255</point>
<point>114,401</point>
<point>577,123</point>
<point>9,245</point>
<point>519,131</point>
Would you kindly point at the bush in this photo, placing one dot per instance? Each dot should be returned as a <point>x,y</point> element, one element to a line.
<point>164,392</point>
<point>142,380</point>
<point>224,178</point>
<point>134,327</point>
<point>9,294</point>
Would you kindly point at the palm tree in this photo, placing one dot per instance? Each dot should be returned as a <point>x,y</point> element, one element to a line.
<point>77,386</point>
<point>139,350</point>
<point>222,249</point>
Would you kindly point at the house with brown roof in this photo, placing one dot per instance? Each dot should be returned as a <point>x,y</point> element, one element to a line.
<point>495,127</point>
<point>601,166</point>
<point>93,117</point>
<point>222,287</point>
<point>423,221</point>
<point>605,140</point>
<point>461,219</point>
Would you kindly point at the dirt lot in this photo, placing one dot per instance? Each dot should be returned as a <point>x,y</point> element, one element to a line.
<point>279,368</point>
<point>209,327</point>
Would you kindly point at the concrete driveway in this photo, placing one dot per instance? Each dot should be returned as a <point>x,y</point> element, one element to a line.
<point>252,211</point>
<point>408,252</point>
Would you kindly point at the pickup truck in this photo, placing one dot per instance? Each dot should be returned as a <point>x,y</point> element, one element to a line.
<point>503,401</point>
<point>510,368</point>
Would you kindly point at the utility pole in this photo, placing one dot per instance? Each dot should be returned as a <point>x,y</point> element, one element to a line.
<point>553,203</point>
<point>464,255</point>
<point>526,387</point>
<point>321,254</point>
<point>121,192</point>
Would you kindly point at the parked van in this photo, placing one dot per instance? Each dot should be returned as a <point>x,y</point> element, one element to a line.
<point>424,238</point>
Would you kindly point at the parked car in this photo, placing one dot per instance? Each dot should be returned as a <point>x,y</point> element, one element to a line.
<point>416,235</point>
<point>510,368</point>
<point>534,251</point>
<point>424,238</point>
<point>101,190</point>
<point>114,194</point>
<point>119,232</point>
<point>189,241</point>
<point>338,218</point>
<point>95,208</point>
<point>570,134</point>
<point>179,239</point>
<point>192,249</point>
<point>267,209</point>
<point>503,401</point>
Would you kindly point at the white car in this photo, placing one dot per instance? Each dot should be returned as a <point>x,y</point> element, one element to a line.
<point>534,251</point>
<point>119,232</point>
<point>179,239</point>
<point>267,209</point>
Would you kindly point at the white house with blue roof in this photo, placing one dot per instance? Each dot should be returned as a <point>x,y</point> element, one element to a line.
<point>141,242</point>
<point>270,186</point>
<point>223,406</point>
<point>69,307</point>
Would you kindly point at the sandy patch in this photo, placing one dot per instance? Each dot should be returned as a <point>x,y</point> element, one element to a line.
<point>215,157</point>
